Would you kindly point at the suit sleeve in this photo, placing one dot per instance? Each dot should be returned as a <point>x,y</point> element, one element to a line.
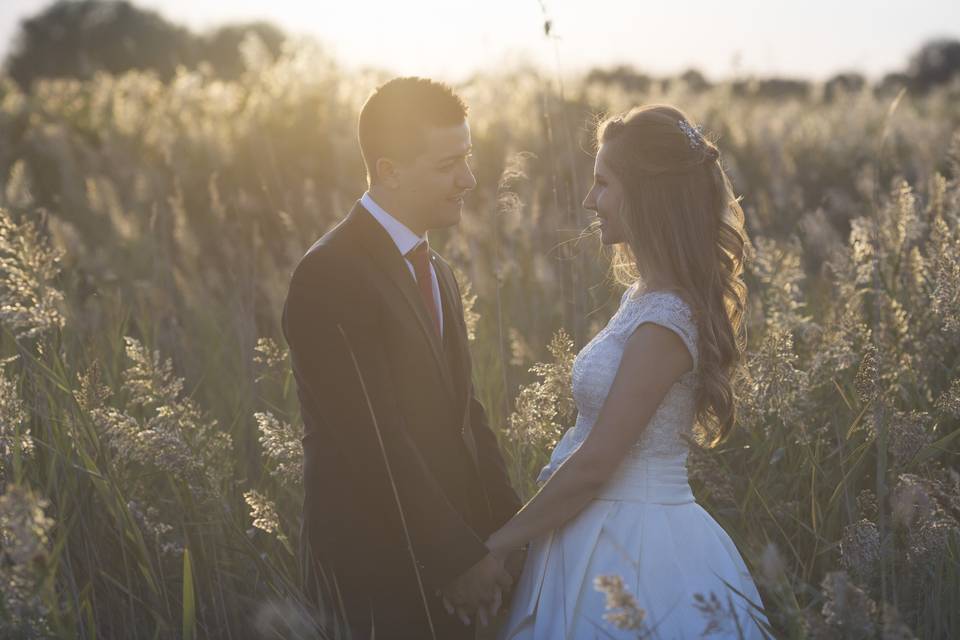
<point>331,325</point>
<point>504,501</point>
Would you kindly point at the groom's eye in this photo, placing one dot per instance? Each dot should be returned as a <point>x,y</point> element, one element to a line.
<point>446,166</point>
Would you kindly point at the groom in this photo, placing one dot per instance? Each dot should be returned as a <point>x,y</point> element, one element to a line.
<point>403,479</point>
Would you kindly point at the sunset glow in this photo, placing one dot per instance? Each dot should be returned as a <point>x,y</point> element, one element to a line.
<point>450,39</point>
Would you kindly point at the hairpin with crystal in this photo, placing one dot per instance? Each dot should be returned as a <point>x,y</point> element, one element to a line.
<point>694,134</point>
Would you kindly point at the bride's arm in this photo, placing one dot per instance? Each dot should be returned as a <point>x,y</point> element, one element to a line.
<point>654,357</point>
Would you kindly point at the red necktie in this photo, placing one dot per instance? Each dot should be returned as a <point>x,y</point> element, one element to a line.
<point>419,257</point>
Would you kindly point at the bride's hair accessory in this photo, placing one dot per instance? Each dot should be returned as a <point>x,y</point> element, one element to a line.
<point>694,134</point>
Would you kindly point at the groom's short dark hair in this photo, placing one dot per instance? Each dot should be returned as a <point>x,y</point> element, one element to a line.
<point>394,119</point>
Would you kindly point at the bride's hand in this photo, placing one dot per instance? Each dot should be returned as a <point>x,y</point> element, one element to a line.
<point>496,547</point>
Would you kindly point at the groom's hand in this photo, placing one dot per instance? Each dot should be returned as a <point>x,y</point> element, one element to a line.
<point>514,562</point>
<point>479,590</point>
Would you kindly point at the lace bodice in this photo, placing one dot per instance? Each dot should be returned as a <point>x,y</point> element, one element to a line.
<point>596,365</point>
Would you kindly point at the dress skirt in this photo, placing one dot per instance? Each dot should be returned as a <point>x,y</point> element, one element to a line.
<point>646,528</point>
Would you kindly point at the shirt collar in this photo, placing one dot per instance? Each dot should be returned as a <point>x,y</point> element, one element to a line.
<point>402,236</point>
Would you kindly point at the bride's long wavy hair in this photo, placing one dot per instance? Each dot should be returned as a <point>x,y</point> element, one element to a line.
<point>682,219</point>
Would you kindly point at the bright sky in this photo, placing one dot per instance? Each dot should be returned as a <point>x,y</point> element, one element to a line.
<point>449,38</point>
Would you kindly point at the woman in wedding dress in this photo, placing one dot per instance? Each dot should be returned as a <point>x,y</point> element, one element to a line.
<point>614,499</point>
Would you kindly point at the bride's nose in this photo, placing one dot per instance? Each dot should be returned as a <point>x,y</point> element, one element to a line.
<point>588,201</point>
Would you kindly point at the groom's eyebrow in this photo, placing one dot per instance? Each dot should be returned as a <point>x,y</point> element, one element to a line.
<point>456,156</point>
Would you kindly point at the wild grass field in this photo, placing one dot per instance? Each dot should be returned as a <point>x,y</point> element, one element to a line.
<point>149,424</point>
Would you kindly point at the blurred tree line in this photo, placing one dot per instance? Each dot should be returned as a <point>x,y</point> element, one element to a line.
<point>76,38</point>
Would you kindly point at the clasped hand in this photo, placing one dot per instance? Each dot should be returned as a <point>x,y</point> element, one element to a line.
<point>481,589</point>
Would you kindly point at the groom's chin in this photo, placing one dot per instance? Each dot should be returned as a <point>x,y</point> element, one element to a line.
<point>451,217</point>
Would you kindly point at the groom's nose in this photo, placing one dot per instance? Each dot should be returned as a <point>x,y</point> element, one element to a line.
<point>466,179</point>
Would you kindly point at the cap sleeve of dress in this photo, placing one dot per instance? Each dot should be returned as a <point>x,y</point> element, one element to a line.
<point>668,310</point>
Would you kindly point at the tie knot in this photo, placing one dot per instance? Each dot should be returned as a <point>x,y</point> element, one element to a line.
<point>420,254</point>
<point>421,248</point>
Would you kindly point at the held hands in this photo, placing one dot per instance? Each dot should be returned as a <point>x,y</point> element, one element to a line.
<point>479,590</point>
<point>514,562</point>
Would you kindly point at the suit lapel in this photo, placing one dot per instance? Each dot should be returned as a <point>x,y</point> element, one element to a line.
<point>453,335</point>
<point>456,334</point>
<point>384,253</point>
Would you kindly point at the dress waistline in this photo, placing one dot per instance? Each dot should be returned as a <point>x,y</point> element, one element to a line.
<point>657,481</point>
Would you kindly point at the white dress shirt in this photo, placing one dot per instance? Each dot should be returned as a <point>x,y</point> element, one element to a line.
<point>405,239</point>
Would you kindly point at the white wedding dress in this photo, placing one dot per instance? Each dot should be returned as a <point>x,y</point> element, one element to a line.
<point>644,526</point>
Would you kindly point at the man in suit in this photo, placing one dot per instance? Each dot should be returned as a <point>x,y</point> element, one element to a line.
<point>403,478</point>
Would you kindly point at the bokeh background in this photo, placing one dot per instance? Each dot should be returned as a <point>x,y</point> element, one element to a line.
<point>165,164</point>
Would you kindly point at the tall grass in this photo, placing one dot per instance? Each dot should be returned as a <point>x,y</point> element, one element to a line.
<point>149,429</point>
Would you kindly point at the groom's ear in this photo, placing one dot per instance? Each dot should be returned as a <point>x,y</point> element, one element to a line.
<point>387,173</point>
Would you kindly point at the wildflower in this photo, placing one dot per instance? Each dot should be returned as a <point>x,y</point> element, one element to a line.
<point>908,226</point>
<point>544,408</point>
<point>908,435</point>
<point>255,54</point>
<point>162,433</point>
<point>773,568</point>
<point>92,392</point>
<point>468,299</point>
<point>263,512</point>
<point>622,608</point>
<point>847,607</point>
<point>24,542</point>
<point>930,557</point>
<point>722,619</point>
<point>29,303</point>
<point>271,357</point>
<point>820,236</point>
<point>910,501</point>
<point>779,268</point>
<point>520,351</point>
<point>867,504</point>
<point>17,194</point>
<point>282,447</point>
<point>773,390</point>
<point>949,402</point>
<point>863,251</point>
<point>712,481</point>
<point>867,374</point>
<point>149,381</point>
<point>557,375</point>
<point>843,336</point>
<point>162,534</point>
<point>860,551</point>
<point>945,298</point>
<point>13,421</point>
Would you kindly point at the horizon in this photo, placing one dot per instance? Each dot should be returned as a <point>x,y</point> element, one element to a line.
<point>453,49</point>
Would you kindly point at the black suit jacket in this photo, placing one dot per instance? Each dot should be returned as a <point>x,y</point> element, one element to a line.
<point>402,474</point>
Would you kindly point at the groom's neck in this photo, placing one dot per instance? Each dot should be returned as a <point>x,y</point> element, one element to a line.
<point>396,208</point>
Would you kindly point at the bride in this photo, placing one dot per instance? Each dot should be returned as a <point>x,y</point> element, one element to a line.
<point>614,499</point>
